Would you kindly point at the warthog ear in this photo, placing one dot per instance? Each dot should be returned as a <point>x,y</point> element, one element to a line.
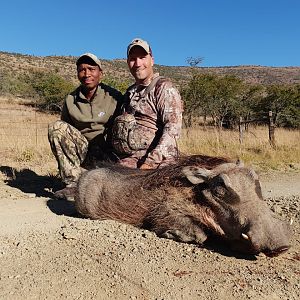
<point>253,174</point>
<point>196,175</point>
<point>226,180</point>
<point>223,168</point>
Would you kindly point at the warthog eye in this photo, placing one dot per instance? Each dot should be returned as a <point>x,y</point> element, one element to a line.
<point>244,222</point>
<point>245,227</point>
<point>225,194</point>
<point>219,191</point>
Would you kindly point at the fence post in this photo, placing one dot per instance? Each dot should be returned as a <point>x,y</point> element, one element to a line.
<point>271,130</point>
<point>241,130</point>
<point>36,125</point>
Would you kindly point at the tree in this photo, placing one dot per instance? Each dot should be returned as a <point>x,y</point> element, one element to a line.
<point>14,85</point>
<point>212,95</point>
<point>228,92</point>
<point>284,102</point>
<point>196,97</point>
<point>117,84</point>
<point>50,87</point>
<point>194,61</point>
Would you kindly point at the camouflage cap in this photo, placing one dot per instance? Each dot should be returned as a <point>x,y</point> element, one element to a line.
<point>141,43</point>
<point>89,56</point>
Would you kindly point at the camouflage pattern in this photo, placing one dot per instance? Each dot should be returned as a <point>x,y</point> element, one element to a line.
<point>70,148</point>
<point>158,117</point>
<point>125,139</point>
<point>74,153</point>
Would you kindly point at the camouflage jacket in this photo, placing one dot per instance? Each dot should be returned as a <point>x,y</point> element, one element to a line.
<point>158,116</point>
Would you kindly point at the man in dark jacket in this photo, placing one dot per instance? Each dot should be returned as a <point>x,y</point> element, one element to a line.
<point>81,134</point>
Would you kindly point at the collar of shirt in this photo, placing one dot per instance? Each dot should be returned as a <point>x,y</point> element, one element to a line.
<point>82,96</point>
<point>140,87</point>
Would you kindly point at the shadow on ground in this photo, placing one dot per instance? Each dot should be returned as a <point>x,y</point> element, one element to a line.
<point>220,246</point>
<point>63,207</point>
<point>29,182</point>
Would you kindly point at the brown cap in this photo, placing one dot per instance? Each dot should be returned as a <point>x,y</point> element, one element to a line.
<point>141,43</point>
<point>88,57</point>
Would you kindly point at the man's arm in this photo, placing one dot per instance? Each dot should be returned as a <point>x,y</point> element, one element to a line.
<point>169,105</point>
<point>65,116</point>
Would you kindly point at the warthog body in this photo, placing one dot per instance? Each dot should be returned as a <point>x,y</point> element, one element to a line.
<point>187,201</point>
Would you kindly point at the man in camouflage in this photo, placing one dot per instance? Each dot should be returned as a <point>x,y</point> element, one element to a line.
<point>81,134</point>
<point>157,108</point>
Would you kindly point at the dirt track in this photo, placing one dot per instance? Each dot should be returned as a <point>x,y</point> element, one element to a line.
<point>46,252</point>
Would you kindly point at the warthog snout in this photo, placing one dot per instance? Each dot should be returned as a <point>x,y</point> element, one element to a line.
<point>272,241</point>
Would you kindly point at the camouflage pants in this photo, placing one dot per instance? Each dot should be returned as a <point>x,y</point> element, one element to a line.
<point>70,148</point>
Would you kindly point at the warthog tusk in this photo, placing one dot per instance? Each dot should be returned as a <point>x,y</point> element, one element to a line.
<point>245,236</point>
<point>291,221</point>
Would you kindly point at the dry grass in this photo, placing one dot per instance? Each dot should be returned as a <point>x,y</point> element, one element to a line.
<point>24,143</point>
<point>23,137</point>
<point>254,149</point>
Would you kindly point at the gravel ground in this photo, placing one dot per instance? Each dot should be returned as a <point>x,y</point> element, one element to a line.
<point>47,252</point>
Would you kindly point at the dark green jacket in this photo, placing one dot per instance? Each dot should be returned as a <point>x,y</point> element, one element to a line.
<point>92,118</point>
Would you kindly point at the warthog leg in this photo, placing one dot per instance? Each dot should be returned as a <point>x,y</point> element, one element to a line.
<point>180,223</point>
<point>180,236</point>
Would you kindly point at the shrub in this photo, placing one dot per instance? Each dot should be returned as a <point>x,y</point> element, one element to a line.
<point>50,87</point>
<point>16,86</point>
<point>117,84</point>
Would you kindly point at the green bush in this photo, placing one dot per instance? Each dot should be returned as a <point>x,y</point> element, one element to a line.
<point>227,98</point>
<point>117,84</point>
<point>15,86</point>
<point>50,87</point>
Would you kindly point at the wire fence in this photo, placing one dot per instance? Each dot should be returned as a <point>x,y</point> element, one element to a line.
<point>32,122</point>
<point>24,124</point>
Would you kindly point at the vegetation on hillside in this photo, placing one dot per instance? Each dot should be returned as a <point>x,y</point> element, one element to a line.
<point>217,96</point>
<point>227,100</point>
<point>47,88</point>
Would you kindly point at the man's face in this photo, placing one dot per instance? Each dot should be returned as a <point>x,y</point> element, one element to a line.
<point>89,75</point>
<point>140,64</point>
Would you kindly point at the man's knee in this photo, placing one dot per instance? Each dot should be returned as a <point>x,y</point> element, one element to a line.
<point>57,125</point>
<point>62,131</point>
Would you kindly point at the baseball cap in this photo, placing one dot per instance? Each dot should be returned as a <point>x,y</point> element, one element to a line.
<point>89,56</point>
<point>141,43</point>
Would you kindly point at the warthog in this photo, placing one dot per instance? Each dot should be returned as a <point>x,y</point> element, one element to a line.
<point>187,201</point>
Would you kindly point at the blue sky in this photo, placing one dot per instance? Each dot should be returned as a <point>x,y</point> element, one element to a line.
<point>223,32</point>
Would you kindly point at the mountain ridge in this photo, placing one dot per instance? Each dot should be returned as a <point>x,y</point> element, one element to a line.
<point>16,63</point>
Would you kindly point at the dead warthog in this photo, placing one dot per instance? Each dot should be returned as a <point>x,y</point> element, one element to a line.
<point>187,201</point>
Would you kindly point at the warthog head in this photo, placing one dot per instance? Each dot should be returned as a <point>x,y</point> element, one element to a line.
<point>233,193</point>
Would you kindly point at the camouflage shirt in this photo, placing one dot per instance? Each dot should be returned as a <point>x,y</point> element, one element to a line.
<point>158,116</point>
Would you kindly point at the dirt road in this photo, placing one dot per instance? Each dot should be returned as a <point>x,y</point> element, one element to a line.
<point>47,252</point>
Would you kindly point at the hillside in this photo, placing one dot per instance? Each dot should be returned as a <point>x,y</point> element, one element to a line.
<point>15,64</point>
